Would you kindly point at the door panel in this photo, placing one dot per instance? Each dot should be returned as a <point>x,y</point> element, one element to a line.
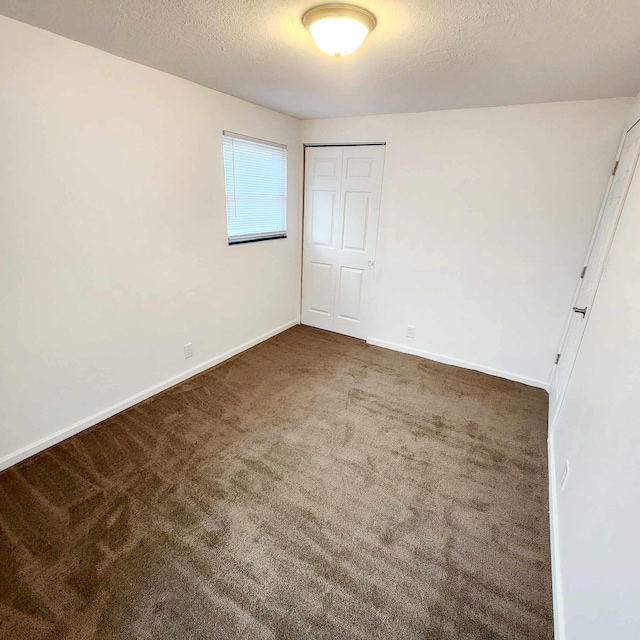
<point>321,288</point>
<point>349,300</point>
<point>356,216</point>
<point>323,206</point>
<point>323,172</point>
<point>595,262</point>
<point>359,168</point>
<point>326,168</point>
<point>343,186</point>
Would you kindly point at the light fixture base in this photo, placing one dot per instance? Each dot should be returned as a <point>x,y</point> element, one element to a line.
<point>339,10</point>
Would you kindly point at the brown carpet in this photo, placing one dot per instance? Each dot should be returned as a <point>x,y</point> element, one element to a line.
<point>312,487</point>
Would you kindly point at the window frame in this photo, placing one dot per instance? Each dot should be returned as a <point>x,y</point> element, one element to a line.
<point>269,235</point>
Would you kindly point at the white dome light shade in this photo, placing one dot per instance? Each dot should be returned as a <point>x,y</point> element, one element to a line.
<point>338,36</point>
<point>338,29</point>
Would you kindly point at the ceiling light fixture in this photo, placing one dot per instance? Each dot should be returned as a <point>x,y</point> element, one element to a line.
<point>338,29</point>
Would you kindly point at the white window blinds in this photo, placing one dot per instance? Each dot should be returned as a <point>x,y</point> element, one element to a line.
<point>255,177</point>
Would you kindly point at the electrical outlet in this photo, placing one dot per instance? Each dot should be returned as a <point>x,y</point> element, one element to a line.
<point>188,350</point>
<point>411,332</point>
<point>565,475</point>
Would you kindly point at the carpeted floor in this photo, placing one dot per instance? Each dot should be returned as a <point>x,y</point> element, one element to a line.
<point>312,487</point>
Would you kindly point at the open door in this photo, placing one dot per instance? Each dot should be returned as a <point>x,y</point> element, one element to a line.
<point>593,269</point>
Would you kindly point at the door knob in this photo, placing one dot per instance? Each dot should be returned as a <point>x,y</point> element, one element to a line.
<point>371,263</point>
<point>582,311</point>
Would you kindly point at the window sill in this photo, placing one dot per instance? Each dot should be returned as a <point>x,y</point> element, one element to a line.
<point>248,239</point>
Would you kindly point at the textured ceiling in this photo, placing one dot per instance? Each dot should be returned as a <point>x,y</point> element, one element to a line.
<point>423,55</point>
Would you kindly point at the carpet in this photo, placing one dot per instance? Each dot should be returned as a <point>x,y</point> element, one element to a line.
<point>312,487</point>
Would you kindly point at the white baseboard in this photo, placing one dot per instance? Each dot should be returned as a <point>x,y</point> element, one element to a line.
<point>458,363</point>
<point>556,582</point>
<point>85,423</point>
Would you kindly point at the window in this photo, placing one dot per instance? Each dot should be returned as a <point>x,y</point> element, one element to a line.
<point>255,179</point>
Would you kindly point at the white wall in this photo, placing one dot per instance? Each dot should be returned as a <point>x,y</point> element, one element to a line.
<point>598,432</point>
<point>486,217</point>
<point>634,115</point>
<point>113,248</point>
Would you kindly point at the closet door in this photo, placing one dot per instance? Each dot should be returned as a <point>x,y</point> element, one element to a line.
<point>343,186</point>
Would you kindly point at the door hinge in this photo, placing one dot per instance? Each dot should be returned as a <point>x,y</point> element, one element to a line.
<point>557,359</point>
<point>615,167</point>
<point>584,270</point>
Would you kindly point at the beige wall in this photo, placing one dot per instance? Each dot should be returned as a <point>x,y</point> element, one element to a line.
<point>485,220</point>
<point>113,246</point>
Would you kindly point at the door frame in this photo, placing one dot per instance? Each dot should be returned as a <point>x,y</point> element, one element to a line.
<point>305,146</point>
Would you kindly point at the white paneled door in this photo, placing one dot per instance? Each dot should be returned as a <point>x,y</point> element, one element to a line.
<point>341,210</point>
<point>593,270</point>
